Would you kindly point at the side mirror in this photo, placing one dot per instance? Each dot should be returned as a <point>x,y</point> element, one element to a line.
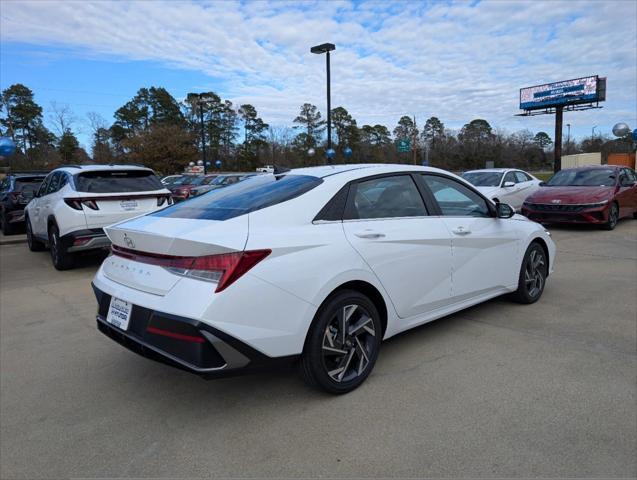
<point>504,210</point>
<point>542,184</point>
<point>508,184</point>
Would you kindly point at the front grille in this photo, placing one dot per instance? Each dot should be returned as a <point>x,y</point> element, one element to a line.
<point>556,207</point>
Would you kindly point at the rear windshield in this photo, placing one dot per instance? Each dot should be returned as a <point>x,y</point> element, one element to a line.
<point>27,184</point>
<point>252,194</point>
<point>483,179</point>
<point>117,181</point>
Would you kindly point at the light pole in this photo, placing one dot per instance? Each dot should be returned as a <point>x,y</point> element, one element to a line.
<point>568,139</point>
<point>319,49</point>
<point>593,133</point>
<point>203,138</point>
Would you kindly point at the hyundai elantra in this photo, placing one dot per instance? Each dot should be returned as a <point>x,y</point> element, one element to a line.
<point>315,265</point>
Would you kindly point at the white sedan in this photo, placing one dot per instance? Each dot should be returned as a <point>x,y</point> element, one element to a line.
<point>315,265</point>
<point>504,184</point>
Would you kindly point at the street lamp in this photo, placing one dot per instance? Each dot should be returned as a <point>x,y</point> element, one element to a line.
<point>568,139</point>
<point>320,49</point>
<point>593,133</point>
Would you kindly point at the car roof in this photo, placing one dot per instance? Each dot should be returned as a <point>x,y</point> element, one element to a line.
<point>495,170</point>
<point>353,171</point>
<point>97,168</point>
<point>594,167</point>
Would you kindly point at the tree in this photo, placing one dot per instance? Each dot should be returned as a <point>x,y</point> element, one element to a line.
<point>347,132</point>
<point>542,140</point>
<point>376,135</point>
<point>433,129</point>
<point>405,130</point>
<point>309,118</point>
<point>61,117</point>
<point>254,128</point>
<point>476,139</point>
<point>68,146</point>
<point>21,115</point>
<point>165,148</point>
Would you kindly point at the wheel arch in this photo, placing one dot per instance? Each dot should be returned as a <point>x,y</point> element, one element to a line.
<point>545,248</point>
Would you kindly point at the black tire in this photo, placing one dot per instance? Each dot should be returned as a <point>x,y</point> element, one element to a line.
<point>533,273</point>
<point>613,217</point>
<point>338,363</point>
<point>33,243</point>
<point>62,260</point>
<point>7,228</point>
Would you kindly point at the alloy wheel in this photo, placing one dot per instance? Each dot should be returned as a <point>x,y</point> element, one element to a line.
<point>612,216</point>
<point>348,343</point>
<point>534,273</point>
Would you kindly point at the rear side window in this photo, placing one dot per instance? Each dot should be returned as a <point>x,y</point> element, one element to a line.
<point>117,181</point>
<point>521,177</point>
<point>253,194</point>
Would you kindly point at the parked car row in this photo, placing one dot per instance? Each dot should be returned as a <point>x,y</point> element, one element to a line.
<point>600,194</point>
<point>16,190</point>
<point>182,187</point>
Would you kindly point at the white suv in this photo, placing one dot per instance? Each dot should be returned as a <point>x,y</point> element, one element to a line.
<point>75,203</point>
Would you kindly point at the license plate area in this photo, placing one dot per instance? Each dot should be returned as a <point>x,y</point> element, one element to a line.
<point>129,205</point>
<point>119,313</point>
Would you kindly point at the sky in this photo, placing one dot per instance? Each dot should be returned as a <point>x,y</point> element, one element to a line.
<point>454,60</point>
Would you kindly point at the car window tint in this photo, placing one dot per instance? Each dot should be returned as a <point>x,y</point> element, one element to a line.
<point>117,181</point>
<point>243,197</point>
<point>388,197</point>
<point>631,175</point>
<point>456,199</point>
<point>510,177</point>
<point>521,177</point>
<point>53,183</point>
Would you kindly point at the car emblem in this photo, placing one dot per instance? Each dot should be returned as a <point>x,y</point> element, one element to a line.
<point>129,241</point>
<point>556,201</point>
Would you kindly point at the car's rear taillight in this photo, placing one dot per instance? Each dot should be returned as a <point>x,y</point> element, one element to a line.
<point>224,268</point>
<point>164,199</point>
<point>91,204</point>
<point>74,203</point>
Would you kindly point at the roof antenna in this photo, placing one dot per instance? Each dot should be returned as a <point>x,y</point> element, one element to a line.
<point>279,170</point>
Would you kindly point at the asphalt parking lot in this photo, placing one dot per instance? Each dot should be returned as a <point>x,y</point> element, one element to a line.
<point>499,390</point>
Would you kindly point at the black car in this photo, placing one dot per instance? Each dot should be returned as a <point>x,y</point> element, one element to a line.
<point>16,189</point>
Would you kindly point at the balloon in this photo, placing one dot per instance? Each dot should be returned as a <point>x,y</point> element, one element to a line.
<point>347,152</point>
<point>208,164</point>
<point>621,129</point>
<point>191,164</point>
<point>200,162</point>
<point>218,163</point>
<point>7,147</point>
<point>330,153</point>
<point>311,152</point>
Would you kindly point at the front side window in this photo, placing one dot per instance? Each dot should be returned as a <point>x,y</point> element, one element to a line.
<point>387,197</point>
<point>244,197</point>
<point>456,200</point>
<point>521,177</point>
<point>117,181</point>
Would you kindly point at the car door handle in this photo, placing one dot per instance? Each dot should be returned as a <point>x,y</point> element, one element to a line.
<point>368,234</point>
<point>461,231</point>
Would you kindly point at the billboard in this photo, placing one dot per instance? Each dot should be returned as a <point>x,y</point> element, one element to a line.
<point>569,92</point>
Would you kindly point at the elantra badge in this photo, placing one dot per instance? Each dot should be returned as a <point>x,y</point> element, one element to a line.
<point>129,241</point>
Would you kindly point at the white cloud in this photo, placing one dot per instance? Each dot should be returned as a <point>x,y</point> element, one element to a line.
<point>457,61</point>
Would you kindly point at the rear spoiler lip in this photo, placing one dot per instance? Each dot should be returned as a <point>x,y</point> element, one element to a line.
<point>131,196</point>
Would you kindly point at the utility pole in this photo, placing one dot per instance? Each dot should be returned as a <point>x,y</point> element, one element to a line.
<point>203,138</point>
<point>568,139</point>
<point>557,162</point>
<point>414,140</point>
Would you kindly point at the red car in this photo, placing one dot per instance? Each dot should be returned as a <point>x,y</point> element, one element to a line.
<point>599,194</point>
<point>182,188</point>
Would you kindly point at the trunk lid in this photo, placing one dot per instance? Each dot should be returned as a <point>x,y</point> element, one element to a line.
<point>179,237</point>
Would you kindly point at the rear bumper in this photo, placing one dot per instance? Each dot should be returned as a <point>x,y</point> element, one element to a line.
<point>596,216</point>
<point>81,240</point>
<point>183,343</point>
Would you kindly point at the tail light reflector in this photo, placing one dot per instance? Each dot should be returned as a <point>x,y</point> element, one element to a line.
<point>91,204</point>
<point>164,199</point>
<point>74,203</point>
<point>178,336</point>
<point>224,269</point>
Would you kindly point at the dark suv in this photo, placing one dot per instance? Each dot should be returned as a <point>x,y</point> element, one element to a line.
<point>16,189</point>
